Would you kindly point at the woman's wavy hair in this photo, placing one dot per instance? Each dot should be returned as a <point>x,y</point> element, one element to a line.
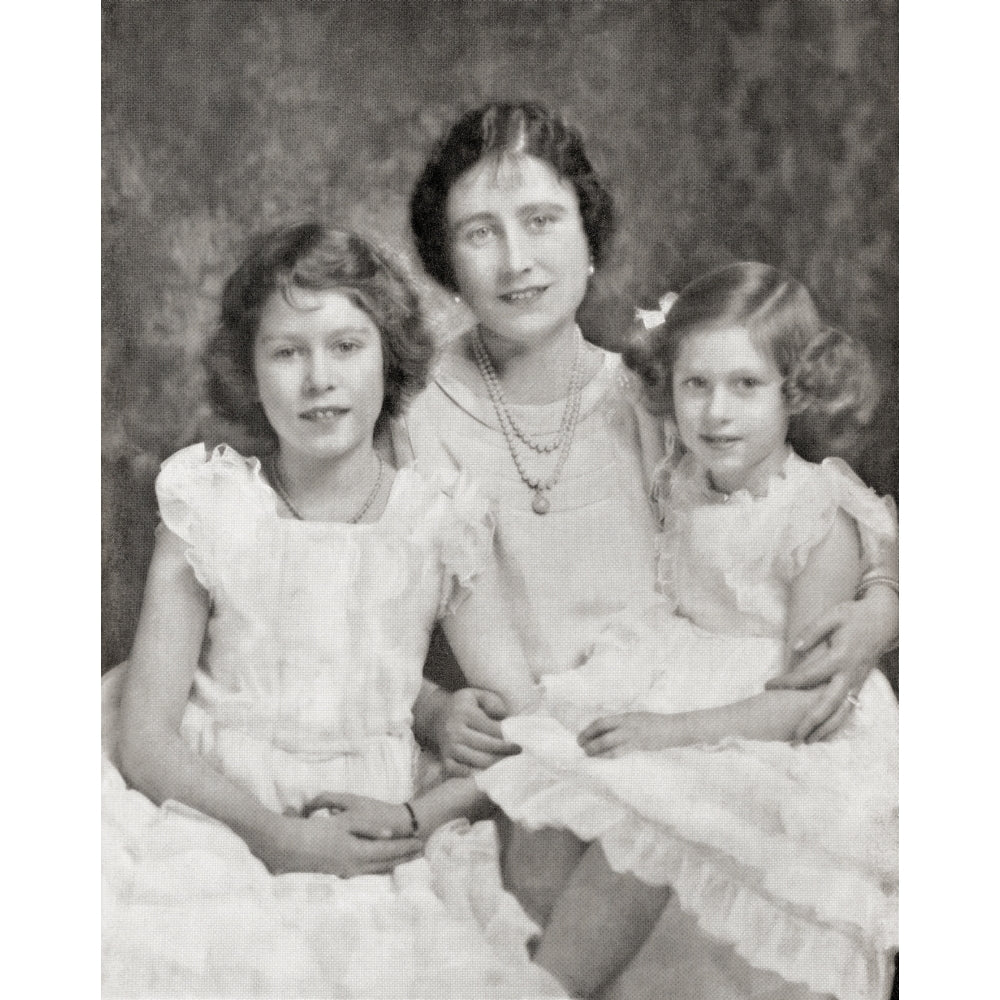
<point>495,130</point>
<point>312,256</point>
<point>829,381</point>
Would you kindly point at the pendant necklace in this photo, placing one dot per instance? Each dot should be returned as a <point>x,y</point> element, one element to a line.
<point>514,433</point>
<point>279,487</point>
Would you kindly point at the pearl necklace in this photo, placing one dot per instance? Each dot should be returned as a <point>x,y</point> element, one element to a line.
<point>279,488</point>
<point>512,432</point>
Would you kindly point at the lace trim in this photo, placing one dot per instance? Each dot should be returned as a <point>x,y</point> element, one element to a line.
<point>729,899</point>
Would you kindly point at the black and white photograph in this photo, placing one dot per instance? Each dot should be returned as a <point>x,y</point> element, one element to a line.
<point>499,499</point>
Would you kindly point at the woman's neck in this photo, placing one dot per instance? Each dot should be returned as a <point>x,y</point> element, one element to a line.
<point>535,373</point>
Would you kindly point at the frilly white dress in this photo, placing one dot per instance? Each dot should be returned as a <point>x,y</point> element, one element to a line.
<point>787,853</point>
<point>310,668</point>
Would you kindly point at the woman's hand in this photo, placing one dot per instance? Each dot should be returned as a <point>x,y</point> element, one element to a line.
<point>466,731</point>
<point>350,840</point>
<point>842,647</point>
<point>616,735</point>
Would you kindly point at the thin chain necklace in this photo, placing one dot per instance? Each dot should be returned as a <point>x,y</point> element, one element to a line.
<point>512,433</point>
<point>279,488</point>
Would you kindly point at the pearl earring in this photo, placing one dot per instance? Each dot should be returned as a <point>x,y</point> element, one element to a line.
<point>457,299</point>
<point>591,269</point>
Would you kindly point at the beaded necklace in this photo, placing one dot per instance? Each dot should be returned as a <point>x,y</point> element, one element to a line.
<point>279,487</point>
<point>513,432</point>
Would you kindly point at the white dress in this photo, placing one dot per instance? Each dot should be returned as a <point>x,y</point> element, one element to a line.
<point>311,665</point>
<point>788,854</point>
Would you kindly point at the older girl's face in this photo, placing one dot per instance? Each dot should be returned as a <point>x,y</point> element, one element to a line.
<point>518,247</point>
<point>318,366</point>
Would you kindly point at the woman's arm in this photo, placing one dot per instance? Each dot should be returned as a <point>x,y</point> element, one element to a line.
<point>158,762</point>
<point>839,650</point>
<point>487,647</point>
<point>829,576</point>
<point>464,726</point>
<point>844,644</point>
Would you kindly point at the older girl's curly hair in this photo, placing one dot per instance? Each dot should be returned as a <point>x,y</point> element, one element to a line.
<point>312,256</point>
<point>496,129</point>
<point>829,381</point>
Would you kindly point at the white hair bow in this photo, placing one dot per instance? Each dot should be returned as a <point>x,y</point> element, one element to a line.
<point>651,318</point>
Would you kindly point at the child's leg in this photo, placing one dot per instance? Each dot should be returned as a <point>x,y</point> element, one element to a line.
<point>680,962</point>
<point>537,865</point>
<point>597,925</point>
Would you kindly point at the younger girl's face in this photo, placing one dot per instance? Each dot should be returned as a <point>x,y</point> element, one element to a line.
<point>729,408</point>
<point>518,247</point>
<point>318,366</point>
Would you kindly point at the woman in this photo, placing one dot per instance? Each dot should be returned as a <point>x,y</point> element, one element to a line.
<point>510,215</point>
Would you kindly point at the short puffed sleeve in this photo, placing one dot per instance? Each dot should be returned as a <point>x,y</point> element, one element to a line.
<point>814,502</point>
<point>211,500</point>
<point>462,525</point>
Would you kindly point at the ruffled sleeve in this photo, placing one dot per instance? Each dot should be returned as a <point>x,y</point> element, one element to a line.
<point>210,501</point>
<point>875,516</point>
<point>461,520</point>
<point>813,504</point>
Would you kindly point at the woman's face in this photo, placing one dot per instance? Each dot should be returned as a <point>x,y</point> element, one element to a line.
<point>318,366</point>
<point>518,247</point>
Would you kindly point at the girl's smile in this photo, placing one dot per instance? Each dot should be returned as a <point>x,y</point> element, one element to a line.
<point>729,407</point>
<point>518,247</point>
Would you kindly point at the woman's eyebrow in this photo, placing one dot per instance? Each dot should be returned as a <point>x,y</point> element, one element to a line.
<point>264,338</point>
<point>542,206</point>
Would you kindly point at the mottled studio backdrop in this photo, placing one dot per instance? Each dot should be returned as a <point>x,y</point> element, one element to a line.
<point>728,130</point>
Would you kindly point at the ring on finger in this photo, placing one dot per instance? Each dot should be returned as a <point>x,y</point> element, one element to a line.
<point>853,700</point>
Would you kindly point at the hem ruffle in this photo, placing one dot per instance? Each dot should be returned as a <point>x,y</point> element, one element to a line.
<point>822,921</point>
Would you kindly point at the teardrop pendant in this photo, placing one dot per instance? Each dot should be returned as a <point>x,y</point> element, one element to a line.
<point>540,504</point>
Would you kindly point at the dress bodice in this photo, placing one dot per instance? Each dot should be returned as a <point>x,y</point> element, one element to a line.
<point>565,573</point>
<point>318,630</point>
<point>728,562</point>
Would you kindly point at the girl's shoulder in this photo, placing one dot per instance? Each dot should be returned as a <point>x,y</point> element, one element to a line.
<point>198,485</point>
<point>834,482</point>
<point>446,514</point>
<point>812,494</point>
<point>437,498</point>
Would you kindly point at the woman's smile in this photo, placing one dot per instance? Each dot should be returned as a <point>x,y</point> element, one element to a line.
<point>518,296</point>
<point>324,413</point>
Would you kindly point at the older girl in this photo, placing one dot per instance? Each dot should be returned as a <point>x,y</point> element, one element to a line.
<point>685,773</point>
<point>261,835</point>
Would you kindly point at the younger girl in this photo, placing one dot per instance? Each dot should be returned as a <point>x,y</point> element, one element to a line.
<point>269,782</point>
<point>663,748</point>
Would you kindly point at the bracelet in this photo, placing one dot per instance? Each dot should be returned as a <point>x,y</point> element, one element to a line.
<point>414,825</point>
<point>869,580</point>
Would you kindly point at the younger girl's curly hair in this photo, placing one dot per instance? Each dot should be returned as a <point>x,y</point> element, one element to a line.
<point>497,129</point>
<point>829,382</point>
<point>312,256</point>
